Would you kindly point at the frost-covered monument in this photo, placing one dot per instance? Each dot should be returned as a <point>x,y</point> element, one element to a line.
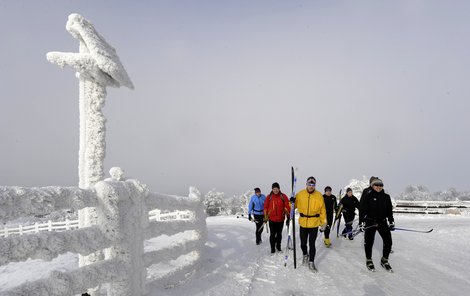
<point>113,213</point>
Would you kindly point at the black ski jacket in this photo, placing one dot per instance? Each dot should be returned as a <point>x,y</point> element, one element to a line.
<point>375,207</point>
<point>330,204</point>
<point>350,204</point>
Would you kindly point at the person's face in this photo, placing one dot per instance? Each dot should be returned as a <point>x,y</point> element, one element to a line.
<point>328,193</point>
<point>311,186</point>
<point>378,187</point>
<point>276,190</point>
<point>349,193</point>
<point>258,193</point>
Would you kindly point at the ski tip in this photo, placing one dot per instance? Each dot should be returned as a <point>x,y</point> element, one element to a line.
<point>431,230</point>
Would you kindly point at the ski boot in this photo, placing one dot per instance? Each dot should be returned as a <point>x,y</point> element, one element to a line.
<point>327,242</point>
<point>305,259</point>
<point>312,267</point>
<point>384,263</point>
<point>370,265</point>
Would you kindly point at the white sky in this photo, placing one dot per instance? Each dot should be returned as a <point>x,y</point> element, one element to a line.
<point>231,94</point>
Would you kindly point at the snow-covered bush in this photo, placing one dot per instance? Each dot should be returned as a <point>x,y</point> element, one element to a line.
<point>214,202</point>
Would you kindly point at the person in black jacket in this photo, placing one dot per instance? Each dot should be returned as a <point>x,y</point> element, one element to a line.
<point>374,211</point>
<point>350,204</point>
<point>331,206</point>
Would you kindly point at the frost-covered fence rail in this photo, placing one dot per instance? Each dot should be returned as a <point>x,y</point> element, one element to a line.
<point>431,207</point>
<point>190,246</point>
<point>48,226</point>
<point>154,215</point>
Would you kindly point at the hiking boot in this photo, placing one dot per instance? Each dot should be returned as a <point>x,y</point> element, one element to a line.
<point>384,263</point>
<point>279,249</point>
<point>327,242</point>
<point>312,267</point>
<point>370,265</point>
<point>305,260</point>
<point>351,237</point>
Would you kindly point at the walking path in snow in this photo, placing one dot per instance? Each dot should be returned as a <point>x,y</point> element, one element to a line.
<point>436,263</point>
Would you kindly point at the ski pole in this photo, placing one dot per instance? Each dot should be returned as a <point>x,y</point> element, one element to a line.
<point>414,230</point>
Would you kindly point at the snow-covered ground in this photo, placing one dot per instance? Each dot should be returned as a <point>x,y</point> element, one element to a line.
<point>435,263</point>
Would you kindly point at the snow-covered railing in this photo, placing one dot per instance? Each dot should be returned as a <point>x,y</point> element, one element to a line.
<point>122,227</point>
<point>154,215</point>
<point>157,215</point>
<point>431,207</point>
<point>190,245</point>
<point>36,227</point>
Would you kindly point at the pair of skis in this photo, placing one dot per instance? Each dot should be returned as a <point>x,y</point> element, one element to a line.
<point>291,226</point>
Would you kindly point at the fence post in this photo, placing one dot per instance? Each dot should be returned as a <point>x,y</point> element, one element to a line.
<point>36,227</point>
<point>20,229</point>
<point>122,216</point>
<point>67,224</point>
<point>5,231</point>
<point>49,225</point>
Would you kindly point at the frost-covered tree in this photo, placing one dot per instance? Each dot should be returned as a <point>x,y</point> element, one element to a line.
<point>214,202</point>
<point>357,186</point>
<point>415,192</point>
<point>238,203</point>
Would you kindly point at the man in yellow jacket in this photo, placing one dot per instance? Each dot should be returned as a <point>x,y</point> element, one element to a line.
<point>311,207</point>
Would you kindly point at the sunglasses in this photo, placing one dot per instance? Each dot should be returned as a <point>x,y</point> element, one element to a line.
<point>310,184</point>
<point>379,185</point>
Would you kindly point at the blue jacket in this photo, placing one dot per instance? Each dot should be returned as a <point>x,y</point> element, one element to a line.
<point>256,205</point>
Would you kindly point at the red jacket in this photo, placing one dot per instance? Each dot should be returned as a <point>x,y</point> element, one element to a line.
<point>276,207</point>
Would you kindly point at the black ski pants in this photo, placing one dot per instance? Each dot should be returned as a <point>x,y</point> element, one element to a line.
<point>329,222</point>
<point>310,235</point>
<point>369,236</point>
<point>259,223</point>
<point>275,237</point>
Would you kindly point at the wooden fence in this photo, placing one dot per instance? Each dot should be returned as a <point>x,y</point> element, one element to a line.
<point>123,224</point>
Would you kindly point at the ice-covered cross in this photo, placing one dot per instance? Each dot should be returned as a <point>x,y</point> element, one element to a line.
<point>97,66</point>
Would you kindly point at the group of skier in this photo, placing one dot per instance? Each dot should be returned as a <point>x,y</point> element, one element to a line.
<point>319,212</point>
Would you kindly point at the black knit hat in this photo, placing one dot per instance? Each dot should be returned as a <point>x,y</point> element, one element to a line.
<point>257,189</point>
<point>275,185</point>
<point>312,178</point>
<point>327,188</point>
<point>377,181</point>
<point>349,189</point>
<point>372,179</point>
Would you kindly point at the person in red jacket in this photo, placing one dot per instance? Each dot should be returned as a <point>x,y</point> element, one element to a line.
<point>276,209</point>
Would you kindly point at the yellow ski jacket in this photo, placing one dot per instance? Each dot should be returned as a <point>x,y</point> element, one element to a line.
<point>311,207</point>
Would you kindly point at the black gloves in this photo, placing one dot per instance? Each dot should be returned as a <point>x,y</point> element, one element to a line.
<point>292,199</point>
<point>249,217</point>
<point>287,221</point>
<point>391,226</point>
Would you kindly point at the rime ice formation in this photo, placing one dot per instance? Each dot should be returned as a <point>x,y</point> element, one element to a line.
<point>97,66</point>
<point>100,63</point>
<point>116,173</point>
<point>122,227</point>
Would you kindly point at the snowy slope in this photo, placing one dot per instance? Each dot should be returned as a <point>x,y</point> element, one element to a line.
<point>425,264</point>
